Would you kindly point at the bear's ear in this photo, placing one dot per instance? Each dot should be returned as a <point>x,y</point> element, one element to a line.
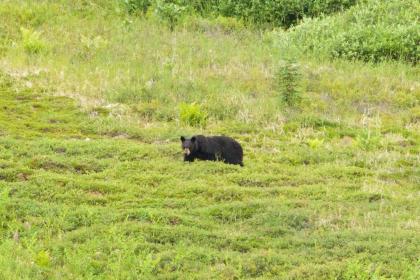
<point>182,138</point>
<point>193,139</point>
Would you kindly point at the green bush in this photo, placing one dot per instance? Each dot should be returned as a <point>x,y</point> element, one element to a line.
<point>373,31</point>
<point>43,259</point>
<point>32,42</point>
<point>134,6</point>
<point>193,115</point>
<point>169,12</point>
<point>368,141</point>
<point>288,79</point>
<point>273,12</point>
<point>261,12</point>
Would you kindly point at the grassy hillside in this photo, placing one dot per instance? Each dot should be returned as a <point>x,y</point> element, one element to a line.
<point>371,31</point>
<point>92,183</point>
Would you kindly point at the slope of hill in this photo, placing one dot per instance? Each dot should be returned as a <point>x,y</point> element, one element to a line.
<point>92,183</point>
<point>371,31</point>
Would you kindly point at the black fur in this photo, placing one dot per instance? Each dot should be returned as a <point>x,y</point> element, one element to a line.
<point>214,148</point>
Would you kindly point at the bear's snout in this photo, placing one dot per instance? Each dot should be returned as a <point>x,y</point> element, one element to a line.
<point>187,151</point>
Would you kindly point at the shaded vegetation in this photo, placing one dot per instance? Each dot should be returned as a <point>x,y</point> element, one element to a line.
<point>283,13</point>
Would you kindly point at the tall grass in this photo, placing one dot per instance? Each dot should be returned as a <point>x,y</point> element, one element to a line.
<point>142,64</point>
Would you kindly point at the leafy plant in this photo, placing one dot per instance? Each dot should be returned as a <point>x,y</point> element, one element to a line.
<point>32,41</point>
<point>315,143</point>
<point>288,79</point>
<point>133,6</point>
<point>192,114</point>
<point>368,141</point>
<point>43,259</point>
<point>169,12</point>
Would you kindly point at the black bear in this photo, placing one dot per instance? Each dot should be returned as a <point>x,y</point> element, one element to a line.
<point>221,148</point>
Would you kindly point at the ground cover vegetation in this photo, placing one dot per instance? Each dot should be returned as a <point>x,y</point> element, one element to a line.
<point>94,96</point>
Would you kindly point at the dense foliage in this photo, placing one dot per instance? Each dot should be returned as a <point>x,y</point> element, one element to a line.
<point>262,12</point>
<point>373,31</point>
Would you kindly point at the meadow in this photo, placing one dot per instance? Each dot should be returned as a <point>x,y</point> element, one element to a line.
<point>94,96</point>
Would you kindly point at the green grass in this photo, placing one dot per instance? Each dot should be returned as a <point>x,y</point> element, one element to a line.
<point>373,30</point>
<point>92,183</point>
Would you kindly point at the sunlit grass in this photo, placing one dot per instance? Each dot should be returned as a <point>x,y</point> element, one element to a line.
<point>92,183</point>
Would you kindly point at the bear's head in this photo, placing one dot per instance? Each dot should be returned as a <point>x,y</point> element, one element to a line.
<point>189,145</point>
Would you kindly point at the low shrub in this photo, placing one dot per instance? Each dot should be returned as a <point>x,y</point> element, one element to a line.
<point>32,41</point>
<point>193,115</point>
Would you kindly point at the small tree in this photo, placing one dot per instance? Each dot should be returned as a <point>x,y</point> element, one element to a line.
<point>288,78</point>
